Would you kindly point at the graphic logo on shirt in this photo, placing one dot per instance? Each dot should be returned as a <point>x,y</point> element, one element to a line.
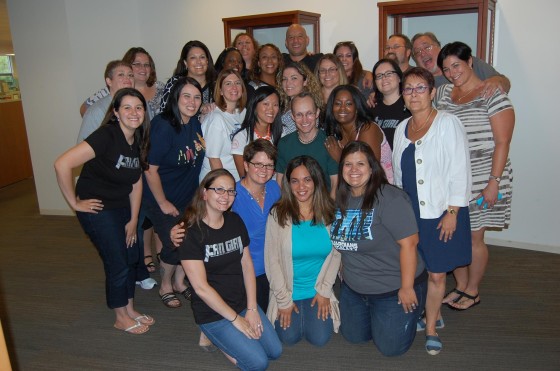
<point>236,127</point>
<point>190,155</point>
<point>345,231</point>
<point>128,162</point>
<point>223,248</point>
<point>387,124</point>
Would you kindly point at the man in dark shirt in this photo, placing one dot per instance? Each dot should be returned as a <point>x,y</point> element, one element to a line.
<point>296,43</point>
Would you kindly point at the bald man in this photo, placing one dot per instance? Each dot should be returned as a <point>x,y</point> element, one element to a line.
<point>296,43</point>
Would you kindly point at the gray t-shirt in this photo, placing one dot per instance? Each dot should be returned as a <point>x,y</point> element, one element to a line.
<point>482,69</point>
<point>369,248</point>
<point>94,117</point>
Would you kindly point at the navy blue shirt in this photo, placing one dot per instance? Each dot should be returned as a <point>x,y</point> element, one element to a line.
<point>179,156</point>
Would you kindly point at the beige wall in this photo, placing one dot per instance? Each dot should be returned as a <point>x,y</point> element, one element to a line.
<point>62,48</point>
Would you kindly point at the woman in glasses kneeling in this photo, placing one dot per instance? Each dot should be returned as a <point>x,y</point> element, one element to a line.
<point>215,256</point>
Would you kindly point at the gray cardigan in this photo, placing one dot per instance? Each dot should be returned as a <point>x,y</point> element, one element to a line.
<point>279,271</point>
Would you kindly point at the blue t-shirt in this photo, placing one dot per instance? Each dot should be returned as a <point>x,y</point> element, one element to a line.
<point>311,245</point>
<point>179,156</point>
<point>255,219</point>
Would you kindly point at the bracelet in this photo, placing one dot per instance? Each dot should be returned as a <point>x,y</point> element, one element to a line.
<point>253,309</point>
<point>233,320</point>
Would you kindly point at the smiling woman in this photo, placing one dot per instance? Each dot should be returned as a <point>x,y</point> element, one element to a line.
<point>220,125</point>
<point>107,199</point>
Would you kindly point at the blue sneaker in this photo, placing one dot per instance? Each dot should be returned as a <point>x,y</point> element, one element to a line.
<point>421,324</point>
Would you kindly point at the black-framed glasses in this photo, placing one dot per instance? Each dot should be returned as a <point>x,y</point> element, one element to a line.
<point>259,165</point>
<point>220,191</point>
<point>425,49</point>
<point>387,75</point>
<point>417,90</point>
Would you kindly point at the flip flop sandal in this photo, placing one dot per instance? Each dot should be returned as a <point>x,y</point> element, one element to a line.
<point>131,329</point>
<point>458,292</point>
<point>169,297</point>
<point>148,321</point>
<point>151,267</point>
<point>470,297</point>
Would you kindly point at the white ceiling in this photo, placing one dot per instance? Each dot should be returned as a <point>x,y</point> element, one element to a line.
<point>5,35</point>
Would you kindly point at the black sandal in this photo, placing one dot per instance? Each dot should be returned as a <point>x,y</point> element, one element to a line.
<point>470,297</point>
<point>187,293</point>
<point>167,298</point>
<point>151,267</point>
<point>459,292</point>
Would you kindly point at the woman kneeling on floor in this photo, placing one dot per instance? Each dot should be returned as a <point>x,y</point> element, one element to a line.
<point>215,256</point>
<point>384,281</point>
<point>300,262</point>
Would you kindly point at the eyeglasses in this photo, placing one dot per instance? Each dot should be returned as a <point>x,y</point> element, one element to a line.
<point>394,47</point>
<point>139,65</point>
<point>229,84</point>
<point>300,115</point>
<point>329,71</point>
<point>259,165</point>
<point>387,75</point>
<point>417,90</point>
<point>425,49</point>
<point>220,191</point>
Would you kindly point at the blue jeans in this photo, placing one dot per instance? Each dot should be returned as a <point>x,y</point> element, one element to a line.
<point>162,226</point>
<point>367,317</point>
<point>141,270</point>
<point>305,324</point>
<point>106,230</point>
<point>250,354</point>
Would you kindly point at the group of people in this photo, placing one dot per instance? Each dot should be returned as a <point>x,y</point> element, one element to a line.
<point>267,178</point>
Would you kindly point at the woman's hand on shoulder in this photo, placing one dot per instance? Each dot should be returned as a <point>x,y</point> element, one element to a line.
<point>333,147</point>
<point>323,306</point>
<point>177,234</point>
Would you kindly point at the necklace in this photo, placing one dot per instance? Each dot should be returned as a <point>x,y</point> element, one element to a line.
<point>267,136</point>
<point>308,141</point>
<point>258,198</point>
<point>425,122</point>
<point>463,96</point>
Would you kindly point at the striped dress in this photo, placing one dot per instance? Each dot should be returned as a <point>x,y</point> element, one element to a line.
<point>475,117</point>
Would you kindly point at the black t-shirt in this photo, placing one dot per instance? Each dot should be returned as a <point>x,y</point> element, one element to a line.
<point>389,117</point>
<point>116,167</point>
<point>221,251</point>
<point>309,60</point>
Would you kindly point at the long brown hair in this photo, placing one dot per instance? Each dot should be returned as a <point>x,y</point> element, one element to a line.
<point>287,208</point>
<point>141,134</point>
<point>375,183</point>
<point>196,210</point>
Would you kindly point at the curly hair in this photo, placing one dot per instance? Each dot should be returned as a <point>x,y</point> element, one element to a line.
<point>256,69</point>
<point>313,86</point>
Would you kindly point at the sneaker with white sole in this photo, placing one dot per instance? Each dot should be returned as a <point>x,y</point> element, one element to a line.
<point>147,284</point>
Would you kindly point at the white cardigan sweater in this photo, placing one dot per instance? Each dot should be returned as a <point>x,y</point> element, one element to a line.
<point>443,168</point>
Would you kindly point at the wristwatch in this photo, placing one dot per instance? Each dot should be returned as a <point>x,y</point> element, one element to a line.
<point>496,178</point>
